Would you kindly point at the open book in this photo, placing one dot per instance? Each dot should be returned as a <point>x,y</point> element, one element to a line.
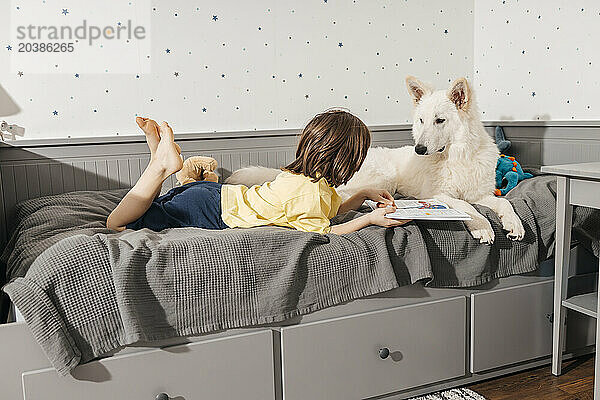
<point>429,209</point>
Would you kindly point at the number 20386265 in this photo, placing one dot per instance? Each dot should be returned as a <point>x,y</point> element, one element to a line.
<point>46,47</point>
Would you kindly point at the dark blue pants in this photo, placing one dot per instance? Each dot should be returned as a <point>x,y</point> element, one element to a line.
<point>196,204</point>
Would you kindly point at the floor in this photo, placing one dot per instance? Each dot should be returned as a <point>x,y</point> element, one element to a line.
<point>576,383</point>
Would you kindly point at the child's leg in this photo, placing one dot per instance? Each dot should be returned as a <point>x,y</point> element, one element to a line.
<point>165,161</point>
<point>151,130</point>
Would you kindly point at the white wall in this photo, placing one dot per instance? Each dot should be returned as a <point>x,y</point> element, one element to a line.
<point>537,59</point>
<point>382,42</point>
<point>547,48</point>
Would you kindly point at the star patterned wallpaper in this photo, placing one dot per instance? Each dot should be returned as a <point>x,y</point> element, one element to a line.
<point>537,59</point>
<point>237,65</point>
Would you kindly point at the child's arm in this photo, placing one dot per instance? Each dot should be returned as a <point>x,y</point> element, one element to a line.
<point>375,217</point>
<point>376,195</point>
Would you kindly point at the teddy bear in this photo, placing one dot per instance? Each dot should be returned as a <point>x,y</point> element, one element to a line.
<point>198,168</point>
<point>508,174</point>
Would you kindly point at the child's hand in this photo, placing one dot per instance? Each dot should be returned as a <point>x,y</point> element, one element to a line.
<point>377,217</point>
<point>382,197</point>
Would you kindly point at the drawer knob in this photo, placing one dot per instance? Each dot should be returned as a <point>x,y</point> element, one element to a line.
<point>162,396</point>
<point>384,353</point>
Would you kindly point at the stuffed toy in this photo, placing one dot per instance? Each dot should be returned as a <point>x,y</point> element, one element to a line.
<point>501,142</point>
<point>508,170</point>
<point>508,174</point>
<point>196,169</point>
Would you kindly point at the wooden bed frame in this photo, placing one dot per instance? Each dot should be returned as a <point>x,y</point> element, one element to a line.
<point>395,345</point>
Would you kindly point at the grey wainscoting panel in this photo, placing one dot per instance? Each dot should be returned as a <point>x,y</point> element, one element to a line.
<point>537,145</point>
<point>30,169</point>
<point>34,178</point>
<point>53,166</point>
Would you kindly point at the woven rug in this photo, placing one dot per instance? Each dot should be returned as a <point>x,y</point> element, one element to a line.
<point>453,394</point>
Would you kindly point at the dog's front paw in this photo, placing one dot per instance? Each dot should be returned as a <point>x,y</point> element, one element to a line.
<point>481,229</point>
<point>512,223</point>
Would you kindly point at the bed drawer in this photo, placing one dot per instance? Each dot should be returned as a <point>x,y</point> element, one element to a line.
<point>239,367</point>
<point>341,358</point>
<point>17,345</point>
<point>514,324</point>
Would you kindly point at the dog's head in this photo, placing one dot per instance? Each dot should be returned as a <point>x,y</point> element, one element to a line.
<point>439,116</point>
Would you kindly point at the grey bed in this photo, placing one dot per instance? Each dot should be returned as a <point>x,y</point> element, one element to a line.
<point>85,291</point>
<point>485,331</point>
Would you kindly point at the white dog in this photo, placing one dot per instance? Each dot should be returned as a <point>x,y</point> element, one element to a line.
<point>453,160</point>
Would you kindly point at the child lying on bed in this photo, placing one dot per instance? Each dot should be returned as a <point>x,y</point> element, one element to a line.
<point>332,148</point>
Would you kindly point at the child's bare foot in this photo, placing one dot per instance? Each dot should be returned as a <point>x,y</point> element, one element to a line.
<point>151,129</point>
<point>168,154</point>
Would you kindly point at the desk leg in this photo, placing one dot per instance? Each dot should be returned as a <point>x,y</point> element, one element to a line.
<point>564,217</point>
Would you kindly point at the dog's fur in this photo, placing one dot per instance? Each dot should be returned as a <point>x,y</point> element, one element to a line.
<point>457,164</point>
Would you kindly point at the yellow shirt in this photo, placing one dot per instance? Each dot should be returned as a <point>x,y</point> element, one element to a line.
<point>291,200</point>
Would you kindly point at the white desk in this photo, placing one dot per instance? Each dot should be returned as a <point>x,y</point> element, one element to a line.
<point>577,184</point>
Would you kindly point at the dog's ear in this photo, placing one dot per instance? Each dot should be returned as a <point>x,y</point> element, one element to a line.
<point>416,88</point>
<point>460,94</point>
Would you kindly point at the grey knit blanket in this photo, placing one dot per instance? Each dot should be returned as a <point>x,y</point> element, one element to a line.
<point>85,291</point>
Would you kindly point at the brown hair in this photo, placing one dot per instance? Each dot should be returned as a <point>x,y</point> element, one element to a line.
<point>333,146</point>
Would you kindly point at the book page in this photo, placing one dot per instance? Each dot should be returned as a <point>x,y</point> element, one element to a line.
<point>421,204</point>
<point>429,214</point>
<point>429,209</point>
